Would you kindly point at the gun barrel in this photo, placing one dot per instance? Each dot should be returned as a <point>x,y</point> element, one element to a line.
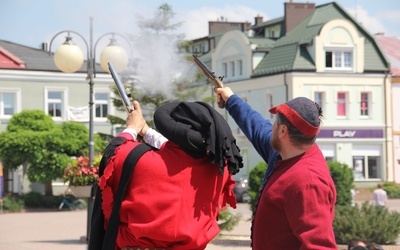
<point>214,80</point>
<point>120,87</point>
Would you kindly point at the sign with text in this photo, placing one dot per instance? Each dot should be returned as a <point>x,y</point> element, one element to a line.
<point>351,133</point>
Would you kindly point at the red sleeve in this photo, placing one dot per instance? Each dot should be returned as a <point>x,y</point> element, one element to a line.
<point>310,214</point>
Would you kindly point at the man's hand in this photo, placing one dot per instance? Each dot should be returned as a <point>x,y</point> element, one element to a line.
<point>223,94</point>
<point>136,121</point>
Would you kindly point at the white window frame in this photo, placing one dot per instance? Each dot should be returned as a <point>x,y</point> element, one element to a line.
<point>269,103</point>
<point>17,101</point>
<point>225,68</point>
<point>369,107</point>
<point>101,102</point>
<point>240,67</point>
<point>232,69</point>
<point>342,52</point>
<point>64,101</point>
<point>322,99</point>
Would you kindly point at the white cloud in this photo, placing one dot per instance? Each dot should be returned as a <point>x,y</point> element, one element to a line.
<point>372,24</point>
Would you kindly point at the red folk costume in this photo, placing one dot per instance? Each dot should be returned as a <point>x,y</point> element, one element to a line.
<point>173,199</point>
<point>296,206</point>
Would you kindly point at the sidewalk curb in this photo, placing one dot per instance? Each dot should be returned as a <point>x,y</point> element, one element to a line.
<point>232,240</point>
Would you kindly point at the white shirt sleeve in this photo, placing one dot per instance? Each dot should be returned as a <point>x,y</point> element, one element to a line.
<point>154,138</point>
<point>131,131</point>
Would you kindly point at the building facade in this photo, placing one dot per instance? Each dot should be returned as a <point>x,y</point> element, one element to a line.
<point>321,53</point>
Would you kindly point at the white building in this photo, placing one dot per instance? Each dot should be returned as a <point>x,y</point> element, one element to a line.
<point>321,53</point>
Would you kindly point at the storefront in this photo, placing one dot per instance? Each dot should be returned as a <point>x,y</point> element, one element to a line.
<point>361,149</point>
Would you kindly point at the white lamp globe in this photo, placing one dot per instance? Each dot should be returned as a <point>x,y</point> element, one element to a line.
<point>68,57</point>
<point>116,55</point>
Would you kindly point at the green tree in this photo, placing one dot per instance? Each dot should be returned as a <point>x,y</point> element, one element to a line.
<point>44,149</point>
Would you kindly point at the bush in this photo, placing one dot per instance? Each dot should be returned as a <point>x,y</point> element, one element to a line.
<point>13,203</point>
<point>343,178</point>
<point>256,177</point>
<point>392,189</point>
<point>37,200</point>
<point>33,199</point>
<point>227,221</point>
<point>374,224</point>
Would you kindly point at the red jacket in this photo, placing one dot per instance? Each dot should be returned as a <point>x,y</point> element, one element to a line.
<point>172,200</point>
<point>296,207</point>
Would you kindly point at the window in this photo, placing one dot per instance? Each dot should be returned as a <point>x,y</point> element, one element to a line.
<point>101,105</point>
<point>341,104</point>
<point>8,103</point>
<point>339,59</point>
<point>269,104</point>
<point>240,67</point>
<point>373,170</point>
<point>364,104</point>
<point>358,167</point>
<point>319,98</point>
<point>225,69</point>
<point>55,103</point>
<point>232,68</point>
<point>329,158</point>
<point>366,167</point>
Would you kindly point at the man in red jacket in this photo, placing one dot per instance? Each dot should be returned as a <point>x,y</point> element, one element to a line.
<point>296,205</point>
<point>175,192</point>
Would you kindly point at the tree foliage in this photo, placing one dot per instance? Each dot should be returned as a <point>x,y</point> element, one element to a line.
<point>343,178</point>
<point>33,140</point>
<point>374,224</point>
<point>256,177</point>
<point>161,21</point>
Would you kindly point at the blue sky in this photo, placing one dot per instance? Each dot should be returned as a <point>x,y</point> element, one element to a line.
<point>31,22</point>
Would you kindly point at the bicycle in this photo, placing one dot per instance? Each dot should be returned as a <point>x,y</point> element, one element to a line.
<point>72,202</point>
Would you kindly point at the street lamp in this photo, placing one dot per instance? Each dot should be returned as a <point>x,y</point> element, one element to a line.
<point>69,58</point>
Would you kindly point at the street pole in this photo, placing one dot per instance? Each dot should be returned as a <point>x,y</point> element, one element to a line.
<point>91,132</point>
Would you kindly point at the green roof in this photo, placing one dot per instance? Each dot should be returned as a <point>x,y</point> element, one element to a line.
<point>289,52</point>
<point>263,44</point>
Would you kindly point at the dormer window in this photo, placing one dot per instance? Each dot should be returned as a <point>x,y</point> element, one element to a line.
<point>339,48</point>
<point>339,59</point>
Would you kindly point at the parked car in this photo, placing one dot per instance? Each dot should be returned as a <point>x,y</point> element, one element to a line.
<point>241,190</point>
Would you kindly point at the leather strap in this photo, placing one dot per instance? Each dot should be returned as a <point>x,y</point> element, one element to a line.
<point>129,164</point>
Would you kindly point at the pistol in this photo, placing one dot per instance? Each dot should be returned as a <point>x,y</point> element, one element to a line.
<point>126,99</point>
<point>211,77</point>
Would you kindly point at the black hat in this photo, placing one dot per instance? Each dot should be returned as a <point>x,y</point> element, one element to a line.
<point>200,131</point>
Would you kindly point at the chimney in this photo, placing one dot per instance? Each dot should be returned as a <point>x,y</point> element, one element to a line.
<point>295,13</point>
<point>45,47</point>
<point>258,19</point>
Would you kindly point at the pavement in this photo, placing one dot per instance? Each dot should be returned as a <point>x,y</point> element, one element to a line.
<point>49,230</point>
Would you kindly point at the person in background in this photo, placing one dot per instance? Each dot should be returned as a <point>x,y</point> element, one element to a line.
<point>296,204</point>
<point>380,196</point>
<point>356,242</point>
<point>175,192</point>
